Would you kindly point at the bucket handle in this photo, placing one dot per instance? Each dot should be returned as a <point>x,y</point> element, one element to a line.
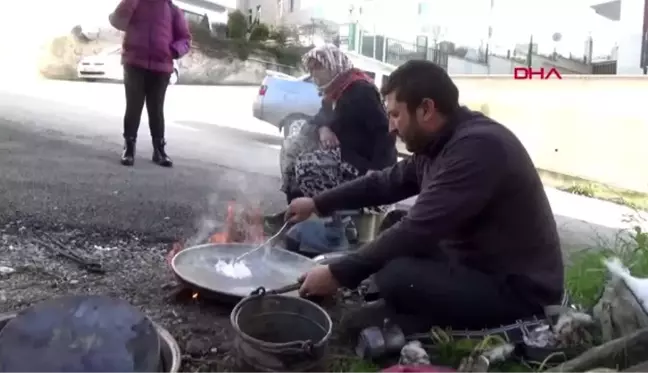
<point>291,347</point>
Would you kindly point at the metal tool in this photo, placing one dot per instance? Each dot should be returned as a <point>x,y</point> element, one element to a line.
<point>269,241</point>
<point>287,289</point>
<point>282,290</point>
<point>65,252</point>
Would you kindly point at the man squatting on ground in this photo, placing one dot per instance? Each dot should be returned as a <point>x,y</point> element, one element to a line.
<point>479,248</point>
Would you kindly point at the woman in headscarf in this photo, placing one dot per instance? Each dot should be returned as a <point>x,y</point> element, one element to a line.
<point>348,137</point>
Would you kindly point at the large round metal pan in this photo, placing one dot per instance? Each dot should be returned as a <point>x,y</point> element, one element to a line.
<point>271,268</point>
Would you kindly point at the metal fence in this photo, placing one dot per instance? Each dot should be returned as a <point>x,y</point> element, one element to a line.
<point>397,52</point>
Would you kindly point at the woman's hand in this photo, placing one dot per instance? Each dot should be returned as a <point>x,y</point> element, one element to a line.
<point>328,138</point>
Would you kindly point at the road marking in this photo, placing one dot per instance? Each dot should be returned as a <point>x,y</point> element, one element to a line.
<point>184,127</point>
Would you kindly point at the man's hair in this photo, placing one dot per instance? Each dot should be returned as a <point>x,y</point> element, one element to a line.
<point>416,80</point>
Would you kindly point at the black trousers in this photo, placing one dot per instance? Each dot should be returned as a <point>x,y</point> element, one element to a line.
<point>144,86</point>
<point>431,292</point>
<point>435,291</point>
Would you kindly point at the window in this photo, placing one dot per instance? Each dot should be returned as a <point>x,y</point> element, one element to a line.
<point>292,6</point>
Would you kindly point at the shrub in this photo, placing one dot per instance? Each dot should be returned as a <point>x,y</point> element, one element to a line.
<point>260,32</point>
<point>279,35</point>
<point>237,25</point>
<point>241,49</point>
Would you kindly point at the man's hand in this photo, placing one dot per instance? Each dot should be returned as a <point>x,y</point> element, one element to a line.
<point>328,138</point>
<point>300,209</point>
<point>319,281</point>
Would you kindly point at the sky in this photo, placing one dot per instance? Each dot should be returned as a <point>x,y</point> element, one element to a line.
<point>463,21</point>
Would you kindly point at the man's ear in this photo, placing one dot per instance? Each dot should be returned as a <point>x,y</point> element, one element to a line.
<point>428,107</point>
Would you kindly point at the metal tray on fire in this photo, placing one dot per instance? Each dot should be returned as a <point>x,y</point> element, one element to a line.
<point>271,268</point>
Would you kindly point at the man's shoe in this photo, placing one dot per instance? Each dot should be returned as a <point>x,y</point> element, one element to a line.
<point>160,156</point>
<point>128,156</point>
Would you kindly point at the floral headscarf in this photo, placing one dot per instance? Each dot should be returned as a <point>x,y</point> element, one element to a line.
<point>331,57</point>
<point>341,67</point>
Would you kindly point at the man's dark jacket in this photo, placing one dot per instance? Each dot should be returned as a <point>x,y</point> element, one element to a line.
<point>480,200</point>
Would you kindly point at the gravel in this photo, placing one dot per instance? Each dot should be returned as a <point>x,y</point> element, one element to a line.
<point>136,271</point>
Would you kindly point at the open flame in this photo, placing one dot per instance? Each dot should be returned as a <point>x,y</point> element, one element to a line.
<point>243,224</point>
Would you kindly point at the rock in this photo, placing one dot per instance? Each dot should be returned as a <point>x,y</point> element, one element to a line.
<point>620,353</point>
<point>618,311</point>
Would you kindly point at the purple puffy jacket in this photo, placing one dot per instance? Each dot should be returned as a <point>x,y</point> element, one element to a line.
<point>156,33</point>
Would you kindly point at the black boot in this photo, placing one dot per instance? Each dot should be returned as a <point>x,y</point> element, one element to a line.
<point>128,156</point>
<point>160,156</point>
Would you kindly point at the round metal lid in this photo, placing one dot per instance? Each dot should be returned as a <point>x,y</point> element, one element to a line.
<point>80,334</point>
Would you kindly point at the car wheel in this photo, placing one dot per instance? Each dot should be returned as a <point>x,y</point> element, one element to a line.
<point>174,77</point>
<point>290,123</point>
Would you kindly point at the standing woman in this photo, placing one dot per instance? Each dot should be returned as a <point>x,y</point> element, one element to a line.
<point>156,33</point>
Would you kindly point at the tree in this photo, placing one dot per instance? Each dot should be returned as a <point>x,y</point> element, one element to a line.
<point>260,32</point>
<point>437,33</point>
<point>237,25</point>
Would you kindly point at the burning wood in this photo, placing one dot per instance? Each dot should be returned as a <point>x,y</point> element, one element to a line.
<point>242,225</point>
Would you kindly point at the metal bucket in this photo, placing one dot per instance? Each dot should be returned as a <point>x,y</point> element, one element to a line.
<point>277,333</point>
<point>170,358</point>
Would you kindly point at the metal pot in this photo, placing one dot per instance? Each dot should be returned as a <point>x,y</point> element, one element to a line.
<point>278,333</point>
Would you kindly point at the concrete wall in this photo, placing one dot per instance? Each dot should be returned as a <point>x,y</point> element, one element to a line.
<point>594,127</point>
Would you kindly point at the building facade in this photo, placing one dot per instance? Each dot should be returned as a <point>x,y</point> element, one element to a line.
<point>632,33</point>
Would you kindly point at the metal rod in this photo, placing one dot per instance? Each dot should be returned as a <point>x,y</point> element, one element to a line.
<point>267,242</point>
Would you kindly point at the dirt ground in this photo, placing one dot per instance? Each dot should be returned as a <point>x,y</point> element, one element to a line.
<point>137,271</point>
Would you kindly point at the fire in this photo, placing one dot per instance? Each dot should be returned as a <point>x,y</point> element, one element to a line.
<point>242,225</point>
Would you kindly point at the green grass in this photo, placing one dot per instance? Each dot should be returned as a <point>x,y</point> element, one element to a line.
<point>587,188</point>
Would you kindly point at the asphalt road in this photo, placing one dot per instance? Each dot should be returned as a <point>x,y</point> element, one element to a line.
<point>60,144</point>
<point>59,154</point>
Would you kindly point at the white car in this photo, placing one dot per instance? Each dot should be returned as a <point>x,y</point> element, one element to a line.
<point>107,66</point>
